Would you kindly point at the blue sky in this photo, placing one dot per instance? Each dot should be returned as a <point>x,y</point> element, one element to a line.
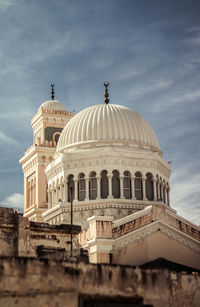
<point>148,50</point>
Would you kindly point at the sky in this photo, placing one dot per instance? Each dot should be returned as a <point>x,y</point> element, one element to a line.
<point>149,51</point>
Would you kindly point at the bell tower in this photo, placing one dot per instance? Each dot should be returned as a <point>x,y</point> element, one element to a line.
<point>47,125</point>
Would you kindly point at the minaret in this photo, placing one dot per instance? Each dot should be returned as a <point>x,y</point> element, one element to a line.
<point>47,126</point>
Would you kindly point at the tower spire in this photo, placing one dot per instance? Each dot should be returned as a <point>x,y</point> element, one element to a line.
<point>52,91</point>
<point>106,95</point>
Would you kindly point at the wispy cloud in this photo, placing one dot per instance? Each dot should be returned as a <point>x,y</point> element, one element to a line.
<point>150,87</point>
<point>15,200</point>
<point>181,97</point>
<point>6,139</point>
<point>4,4</point>
<point>185,194</point>
<point>187,96</point>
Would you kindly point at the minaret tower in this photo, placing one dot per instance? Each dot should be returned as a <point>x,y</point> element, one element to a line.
<point>47,125</point>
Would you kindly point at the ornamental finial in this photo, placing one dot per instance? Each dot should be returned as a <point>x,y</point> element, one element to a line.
<point>52,91</point>
<point>106,100</point>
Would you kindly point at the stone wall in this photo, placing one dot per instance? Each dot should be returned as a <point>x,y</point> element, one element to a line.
<point>42,282</point>
<point>8,232</point>
<point>21,237</point>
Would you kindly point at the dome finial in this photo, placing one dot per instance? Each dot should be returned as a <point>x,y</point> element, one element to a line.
<point>52,91</point>
<point>106,100</point>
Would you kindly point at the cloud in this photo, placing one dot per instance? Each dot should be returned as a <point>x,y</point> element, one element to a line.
<point>176,98</point>
<point>187,96</point>
<point>185,194</point>
<point>130,72</point>
<point>4,4</point>
<point>7,139</point>
<point>15,201</point>
<point>195,31</point>
<point>150,87</point>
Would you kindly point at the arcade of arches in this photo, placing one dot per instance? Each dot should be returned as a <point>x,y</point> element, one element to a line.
<point>109,185</point>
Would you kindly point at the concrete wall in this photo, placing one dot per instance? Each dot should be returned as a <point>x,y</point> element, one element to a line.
<point>33,282</point>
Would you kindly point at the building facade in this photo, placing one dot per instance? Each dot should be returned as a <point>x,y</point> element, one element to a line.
<point>106,162</point>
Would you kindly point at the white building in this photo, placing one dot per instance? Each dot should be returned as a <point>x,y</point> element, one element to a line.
<point>108,160</point>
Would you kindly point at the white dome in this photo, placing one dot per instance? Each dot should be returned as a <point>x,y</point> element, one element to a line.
<point>54,105</point>
<point>107,124</point>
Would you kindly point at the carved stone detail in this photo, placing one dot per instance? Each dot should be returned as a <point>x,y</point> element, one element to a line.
<point>140,234</point>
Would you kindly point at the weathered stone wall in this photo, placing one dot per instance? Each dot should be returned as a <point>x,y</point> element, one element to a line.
<point>8,232</point>
<point>21,237</point>
<point>35,282</point>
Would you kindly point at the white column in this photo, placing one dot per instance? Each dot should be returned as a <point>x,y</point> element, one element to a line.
<point>154,190</point>
<point>110,186</point>
<point>53,196</point>
<point>87,194</point>
<point>31,189</point>
<point>57,193</point>
<point>34,191</point>
<point>49,198</point>
<point>121,187</point>
<point>75,189</point>
<point>27,194</point>
<point>61,191</point>
<point>98,187</point>
<point>65,192</point>
<point>133,186</point>
<point>144,187</point>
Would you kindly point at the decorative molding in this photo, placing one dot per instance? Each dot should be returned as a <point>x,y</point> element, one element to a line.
<point>132,217</point>
<point>169,231</point>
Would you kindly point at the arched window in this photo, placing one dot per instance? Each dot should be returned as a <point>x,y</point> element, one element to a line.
<point>167,188</point>
<point>93,186</point>
<point>115,184</point>
<point>157,187</point>
<point>127,185</point>
<point>81,187</point>
<point>149,186</point>
<point>164,192</point>
<point>70,188</point>
<point>56,137</point>
<point>138,186</point>
<point>104,184</point>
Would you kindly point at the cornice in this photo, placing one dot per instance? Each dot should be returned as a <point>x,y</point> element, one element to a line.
<point>86,164</point>
<point>171,232</point>
<point>103,204</point>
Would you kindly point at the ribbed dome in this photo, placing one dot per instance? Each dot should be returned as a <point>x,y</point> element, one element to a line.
<point>107,123</point>
<point>52,105</point>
